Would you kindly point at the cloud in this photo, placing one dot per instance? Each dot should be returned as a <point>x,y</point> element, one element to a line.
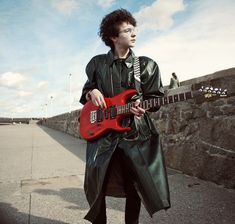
<point>201,45</point>
<point>43,85</point>
<point>12,80</point>
<point>66,7</point>
<point>25,108</point>
<point>23,94</point>
<point>105,3</point>
<point>159,15</point>
<point>15,108</point>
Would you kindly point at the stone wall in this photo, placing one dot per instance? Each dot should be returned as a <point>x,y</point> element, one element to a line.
<point>68,123</point>
<point>7,120</point>
<point>198,135</point>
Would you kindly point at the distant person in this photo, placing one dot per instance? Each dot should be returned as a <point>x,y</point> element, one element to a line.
<point>174,83</point>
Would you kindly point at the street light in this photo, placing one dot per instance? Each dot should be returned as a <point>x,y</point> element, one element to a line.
<point>51,106</point>
<point>70,76</point>
<point>46,109</point>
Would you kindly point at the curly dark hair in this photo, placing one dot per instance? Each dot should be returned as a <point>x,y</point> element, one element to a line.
<point>109,26</point>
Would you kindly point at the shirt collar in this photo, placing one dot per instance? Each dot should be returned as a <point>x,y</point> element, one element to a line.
<point>128,60</point>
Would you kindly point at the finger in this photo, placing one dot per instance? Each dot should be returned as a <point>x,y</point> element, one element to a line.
<point>138,111</point>
<point>99,102</point>
<point>137,102</point>
<point>141,110</point>
<point>95,103</point>
<point>134,111</point>
<point>103,103</point>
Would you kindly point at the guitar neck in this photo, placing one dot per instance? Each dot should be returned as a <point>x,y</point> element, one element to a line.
<point>156,102</point>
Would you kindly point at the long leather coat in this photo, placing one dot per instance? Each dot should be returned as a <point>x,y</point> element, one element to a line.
<point>112,76</point>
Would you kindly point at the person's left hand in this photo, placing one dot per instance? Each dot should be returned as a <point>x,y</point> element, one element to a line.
<point>137,110</point>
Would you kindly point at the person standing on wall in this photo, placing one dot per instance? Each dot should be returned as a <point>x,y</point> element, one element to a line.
<point>129,164</point>
<point>174,83</point>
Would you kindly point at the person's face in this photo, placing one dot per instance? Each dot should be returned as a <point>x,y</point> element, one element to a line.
<point>126,37</point>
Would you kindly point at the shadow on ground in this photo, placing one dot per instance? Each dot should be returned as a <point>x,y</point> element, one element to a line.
<point>11,215</point>
<point>69,142</point>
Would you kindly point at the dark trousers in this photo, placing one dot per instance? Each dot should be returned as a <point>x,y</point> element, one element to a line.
<point>133,202</point>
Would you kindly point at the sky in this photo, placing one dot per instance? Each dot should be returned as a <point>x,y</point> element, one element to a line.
<point>46,44</point>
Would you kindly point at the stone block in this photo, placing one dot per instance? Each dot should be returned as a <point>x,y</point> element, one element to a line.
<point>231,100</point>
<point>217,168</point>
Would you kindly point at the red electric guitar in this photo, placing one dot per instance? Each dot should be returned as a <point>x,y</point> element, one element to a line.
<point>95,122</point>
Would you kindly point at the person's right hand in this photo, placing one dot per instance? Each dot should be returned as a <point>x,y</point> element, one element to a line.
<point>97,98</point>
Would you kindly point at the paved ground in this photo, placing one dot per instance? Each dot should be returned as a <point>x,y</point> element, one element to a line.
<point>41,182</point>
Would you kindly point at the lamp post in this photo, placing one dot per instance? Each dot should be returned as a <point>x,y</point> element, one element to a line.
<point>51,106</point>
<point>46,109</point>
<point>70,76</point>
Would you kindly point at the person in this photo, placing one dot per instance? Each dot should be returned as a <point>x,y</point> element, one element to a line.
<point>129,164</point>
<point>174,83</point>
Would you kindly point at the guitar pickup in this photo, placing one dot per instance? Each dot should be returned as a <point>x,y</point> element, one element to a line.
<point>113,112</point>
<point>106,113</point>
<point>100,115</point>
<point>93,116</point>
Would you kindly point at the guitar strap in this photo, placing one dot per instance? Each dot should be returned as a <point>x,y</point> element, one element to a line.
<point>136,66</point>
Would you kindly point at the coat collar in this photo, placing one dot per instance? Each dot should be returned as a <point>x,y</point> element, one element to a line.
<point>128,61</point>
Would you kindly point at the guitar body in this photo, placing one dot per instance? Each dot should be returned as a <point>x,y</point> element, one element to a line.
<point>93,127</point>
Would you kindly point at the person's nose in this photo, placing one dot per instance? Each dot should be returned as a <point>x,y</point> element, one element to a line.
<point>133,34</point>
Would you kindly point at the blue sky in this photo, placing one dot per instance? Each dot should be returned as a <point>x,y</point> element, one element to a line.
<point>43,41</point>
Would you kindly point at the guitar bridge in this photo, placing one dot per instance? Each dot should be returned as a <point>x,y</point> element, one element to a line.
<point>93,116</point>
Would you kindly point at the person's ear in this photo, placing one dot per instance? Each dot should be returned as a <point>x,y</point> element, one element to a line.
<point>114,39</point>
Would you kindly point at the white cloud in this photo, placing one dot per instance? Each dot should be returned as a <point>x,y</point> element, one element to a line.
<point>201,45</point>
<point>25,108</point>
<point>66,7</point>
<point>43,85</point>
<point>105,3</point>
<point>12,79</point>
<point>23,94</point>
<point>158,16</point>
<point>13,108</point>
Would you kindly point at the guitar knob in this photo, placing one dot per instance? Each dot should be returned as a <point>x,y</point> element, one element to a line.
<point>90,133</point>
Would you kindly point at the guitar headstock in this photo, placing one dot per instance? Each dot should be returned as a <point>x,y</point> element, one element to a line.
<point>210,91</point>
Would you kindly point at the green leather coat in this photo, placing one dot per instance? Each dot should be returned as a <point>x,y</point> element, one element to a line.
<point>112,76</point>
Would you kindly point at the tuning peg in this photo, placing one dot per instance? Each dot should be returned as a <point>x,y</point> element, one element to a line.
<point>224,92</point>
<point>201,89</point>
<point>210,91</point>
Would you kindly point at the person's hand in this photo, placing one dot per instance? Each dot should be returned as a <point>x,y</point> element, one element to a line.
<point>137,110</point>
<point>97,98</point>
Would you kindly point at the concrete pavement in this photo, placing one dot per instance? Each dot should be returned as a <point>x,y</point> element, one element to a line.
<point>41,182</point>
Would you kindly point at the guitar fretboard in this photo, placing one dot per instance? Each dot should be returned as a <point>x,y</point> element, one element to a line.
<point>155,102</point>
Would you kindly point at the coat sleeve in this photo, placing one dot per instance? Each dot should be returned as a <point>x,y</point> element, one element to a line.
<point>151,83</point>
<point>91,80</point>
